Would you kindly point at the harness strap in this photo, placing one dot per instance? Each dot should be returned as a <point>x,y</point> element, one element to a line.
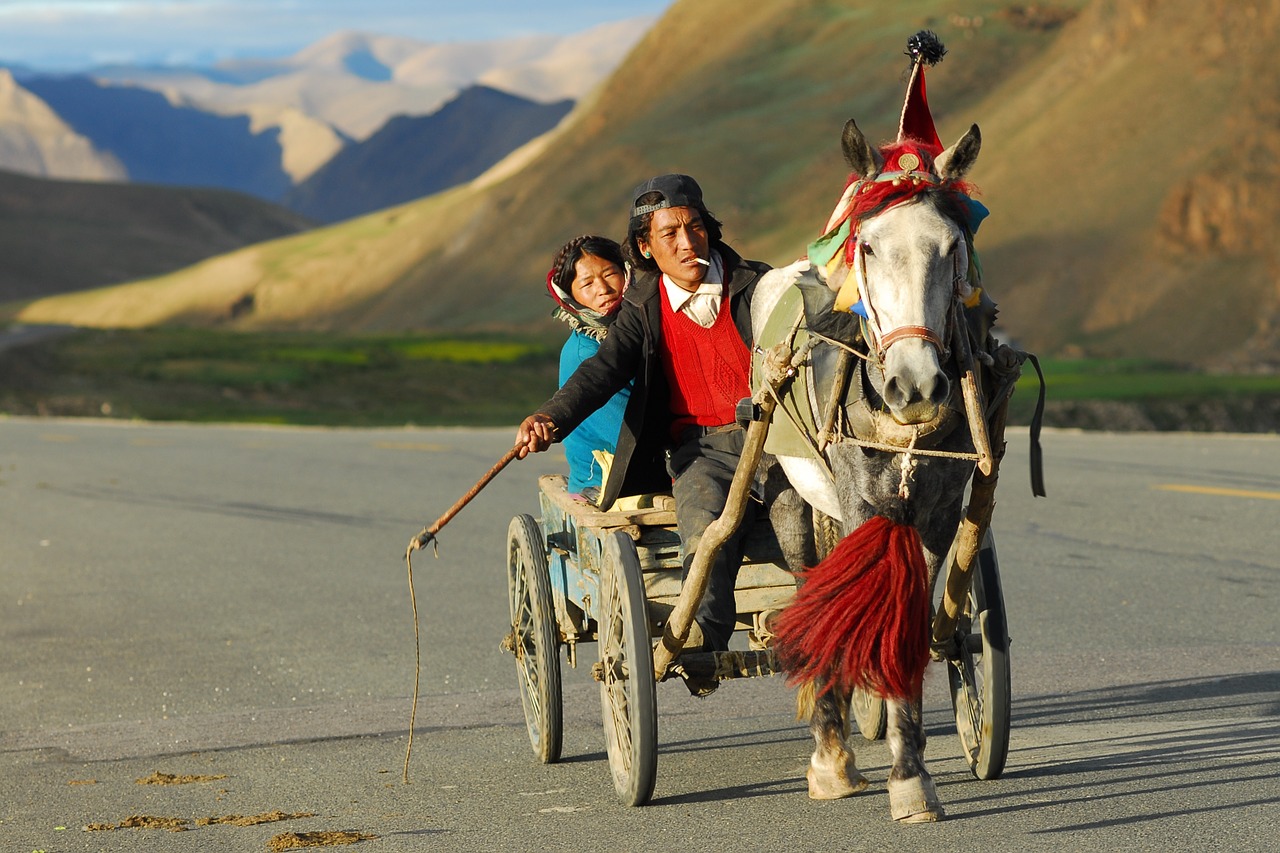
<point>1037,455</point>
<point>902,332</point>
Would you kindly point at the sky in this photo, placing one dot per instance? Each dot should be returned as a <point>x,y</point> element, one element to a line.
<point>69,35</point>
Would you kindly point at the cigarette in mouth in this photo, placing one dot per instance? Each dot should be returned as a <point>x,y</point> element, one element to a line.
<point>704,263</point>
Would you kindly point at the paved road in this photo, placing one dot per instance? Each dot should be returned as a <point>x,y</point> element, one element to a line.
<point>231,602</point>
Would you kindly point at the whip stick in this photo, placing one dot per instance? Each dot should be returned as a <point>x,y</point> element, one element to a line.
<point>428,534</point>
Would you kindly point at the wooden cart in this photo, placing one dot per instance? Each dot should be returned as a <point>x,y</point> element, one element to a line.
<point>578,574</point>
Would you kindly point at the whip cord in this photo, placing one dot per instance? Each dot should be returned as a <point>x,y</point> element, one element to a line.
<point>417,663</point>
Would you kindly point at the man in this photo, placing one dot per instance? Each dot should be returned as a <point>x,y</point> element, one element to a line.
<point>683,334</point>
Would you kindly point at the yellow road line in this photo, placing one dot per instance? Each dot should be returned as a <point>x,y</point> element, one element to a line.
<point>1212,490</point>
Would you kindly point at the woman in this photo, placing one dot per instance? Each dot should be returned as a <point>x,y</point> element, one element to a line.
<point>586,281</point>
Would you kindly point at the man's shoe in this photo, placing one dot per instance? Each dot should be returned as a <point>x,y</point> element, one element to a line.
<point>700,686</point>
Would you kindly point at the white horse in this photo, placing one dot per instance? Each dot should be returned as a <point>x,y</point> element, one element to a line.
<point>861,618</point>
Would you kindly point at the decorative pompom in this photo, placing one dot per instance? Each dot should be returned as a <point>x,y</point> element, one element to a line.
<point>926,47</point>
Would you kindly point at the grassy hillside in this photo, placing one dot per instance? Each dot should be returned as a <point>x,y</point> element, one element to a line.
<point>1126,162</point>
<point>73,235</point>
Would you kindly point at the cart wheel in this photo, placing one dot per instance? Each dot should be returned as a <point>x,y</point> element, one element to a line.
<point>980,677</point>
<point>628,694</point>
<point>536,636</point>
<point>869,713</point>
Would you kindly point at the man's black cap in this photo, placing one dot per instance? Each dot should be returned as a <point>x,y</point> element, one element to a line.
<point>676,190</point>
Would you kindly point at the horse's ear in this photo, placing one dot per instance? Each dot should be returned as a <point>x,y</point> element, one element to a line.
<point>861,156</point>
<point>954,163</point>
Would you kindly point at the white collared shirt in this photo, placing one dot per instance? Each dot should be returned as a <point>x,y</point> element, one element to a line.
<point>703,305</point>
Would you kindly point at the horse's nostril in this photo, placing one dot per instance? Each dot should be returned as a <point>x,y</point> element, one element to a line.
<point>941,390</point>
<point>893,393</point>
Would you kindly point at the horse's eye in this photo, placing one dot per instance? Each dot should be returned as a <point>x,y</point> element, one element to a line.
<point>866,250</point>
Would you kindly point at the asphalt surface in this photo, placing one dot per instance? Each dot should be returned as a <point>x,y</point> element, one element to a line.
<point>231,603</point>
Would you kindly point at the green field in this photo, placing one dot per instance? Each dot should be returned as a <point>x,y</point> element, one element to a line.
<point>1135,393</point>
<point>479,380</point>
<point>290,378</point>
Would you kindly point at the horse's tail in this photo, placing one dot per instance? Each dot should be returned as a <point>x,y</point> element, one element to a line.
<point>860,618</point>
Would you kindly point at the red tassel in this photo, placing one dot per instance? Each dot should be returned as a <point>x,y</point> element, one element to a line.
<point>861,617</point>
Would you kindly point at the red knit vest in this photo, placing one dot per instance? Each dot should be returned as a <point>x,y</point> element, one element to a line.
<point>708,369</point>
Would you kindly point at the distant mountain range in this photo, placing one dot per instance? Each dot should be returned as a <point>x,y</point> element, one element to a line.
<point>267,127</point>
<point>99,172</point>
<point>423,154</point>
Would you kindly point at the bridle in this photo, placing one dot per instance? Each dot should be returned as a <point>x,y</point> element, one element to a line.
<point>841,252</point>
<point>878,342</point>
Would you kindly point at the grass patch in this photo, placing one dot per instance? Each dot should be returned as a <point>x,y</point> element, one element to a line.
<point>1140,382</point>
<point>492,380</point>
<point>293,378</point>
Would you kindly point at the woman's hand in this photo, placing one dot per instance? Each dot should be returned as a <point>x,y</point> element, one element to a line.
<point>535,435</point>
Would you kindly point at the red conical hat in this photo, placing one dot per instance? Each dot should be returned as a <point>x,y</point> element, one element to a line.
<point>924,48</point>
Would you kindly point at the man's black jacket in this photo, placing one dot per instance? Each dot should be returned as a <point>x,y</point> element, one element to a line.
<point>631,351</point>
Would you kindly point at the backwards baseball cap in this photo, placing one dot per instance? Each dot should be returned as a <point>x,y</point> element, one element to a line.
<point>676,191</point>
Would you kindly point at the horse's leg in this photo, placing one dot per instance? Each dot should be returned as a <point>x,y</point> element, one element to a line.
<point>913,798</point>
<point>833,774</point>
<point>789,516</point>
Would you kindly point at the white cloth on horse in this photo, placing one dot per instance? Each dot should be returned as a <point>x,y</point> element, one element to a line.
<point>703,305</point>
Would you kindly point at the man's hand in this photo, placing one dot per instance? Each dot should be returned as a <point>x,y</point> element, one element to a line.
<point>535,435</point>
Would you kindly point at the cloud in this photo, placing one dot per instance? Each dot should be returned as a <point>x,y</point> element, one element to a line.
<point>81,33</point>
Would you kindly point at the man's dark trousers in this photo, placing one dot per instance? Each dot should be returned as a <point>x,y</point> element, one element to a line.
<point>702,468</point>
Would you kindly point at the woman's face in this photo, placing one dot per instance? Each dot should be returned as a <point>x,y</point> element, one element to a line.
<point>597,284</point>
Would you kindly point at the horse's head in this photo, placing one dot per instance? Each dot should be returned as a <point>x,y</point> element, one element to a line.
<point>910,258</point>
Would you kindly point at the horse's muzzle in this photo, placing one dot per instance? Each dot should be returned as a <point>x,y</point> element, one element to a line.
<point>915,397</point>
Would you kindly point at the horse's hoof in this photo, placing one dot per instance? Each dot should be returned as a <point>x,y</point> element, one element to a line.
<point>835,783</point>
<point>914,800</point>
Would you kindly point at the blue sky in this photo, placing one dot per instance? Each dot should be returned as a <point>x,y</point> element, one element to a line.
<point>75,34</point>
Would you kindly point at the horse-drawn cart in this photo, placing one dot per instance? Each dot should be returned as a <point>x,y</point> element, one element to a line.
<point>578,574</point>
<point>874,360</point>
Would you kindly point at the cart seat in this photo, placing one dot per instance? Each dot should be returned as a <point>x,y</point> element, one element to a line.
<point>576,529</point>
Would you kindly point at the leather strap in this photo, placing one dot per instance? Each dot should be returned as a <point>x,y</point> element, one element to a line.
<point>921,332</point>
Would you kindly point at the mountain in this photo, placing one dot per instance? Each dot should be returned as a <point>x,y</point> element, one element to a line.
<point>1130,161</point>
<point>414,156</point>
<point>356,82</point>
<point>59,236</point>
<point>264,126</point>
<point>36,141</point>
<point>159,142</point>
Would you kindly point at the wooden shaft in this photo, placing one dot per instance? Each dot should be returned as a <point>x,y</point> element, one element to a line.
<point>838,389</point>
<point>973,405</point>
<point>969,538</point>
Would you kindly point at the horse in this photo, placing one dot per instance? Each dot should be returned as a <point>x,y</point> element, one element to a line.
<point>893,453</point>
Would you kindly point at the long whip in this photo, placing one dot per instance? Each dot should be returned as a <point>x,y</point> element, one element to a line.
<point>426,536</point>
